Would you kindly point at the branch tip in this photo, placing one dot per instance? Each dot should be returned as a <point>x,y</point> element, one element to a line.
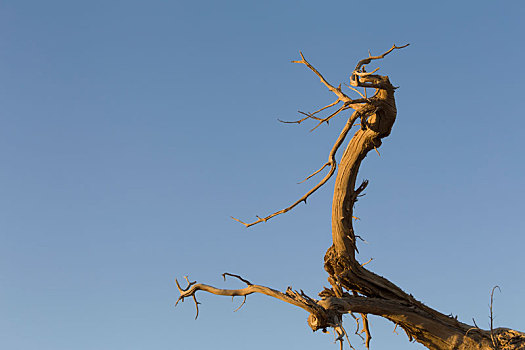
<point>236,276</point>
<point>242,222</point>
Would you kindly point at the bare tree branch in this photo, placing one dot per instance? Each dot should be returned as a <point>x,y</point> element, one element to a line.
<point>337,91</point>
<point>372,293</point>
<point>327,119</point>
<point>495,342</point>
<point>183,290</point>
<point>331,161</point>
<point>366,329</point>
<point>369,59</point>
<point>366,74</point>
<point>240,306</point>
<point>291,297</point>
<point>314,173</point>
<point>308,115</point>
<point>359,92</point>
<point>299,121</point>
<point>236,276</point>
<point>371,80</point>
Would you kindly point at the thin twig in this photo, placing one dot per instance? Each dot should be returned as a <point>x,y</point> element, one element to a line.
<point>315,173</point>
<point>346,336</point>
<point>357,324</point>
<point>295,121</point>
<point>495,342</point>
<point>354,89</point>
<point>342,96</point>
<point>325,107</point>
<point>343,108</point>
<point>309,115</point>
<point>236,276</point>
<point>244,301</point>
<point>365,74</point>
<point>473,320</point>
<point>367,262</point>
<point>327,119</point>
<point>370,58</point>
<point>366,329</point>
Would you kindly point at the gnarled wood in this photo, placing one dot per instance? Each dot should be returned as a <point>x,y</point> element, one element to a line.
<point>355,289</point>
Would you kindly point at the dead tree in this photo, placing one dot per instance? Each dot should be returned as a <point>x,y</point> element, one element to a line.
<point>355,289</point>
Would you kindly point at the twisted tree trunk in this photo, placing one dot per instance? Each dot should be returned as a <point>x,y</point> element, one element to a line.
<point>354,288</point>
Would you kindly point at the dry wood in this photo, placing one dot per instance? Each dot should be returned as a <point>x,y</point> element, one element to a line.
<point>354,289</point>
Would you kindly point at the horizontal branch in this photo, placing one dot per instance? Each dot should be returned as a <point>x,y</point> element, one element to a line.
<point>291,297</point>
<point>432,329</point>
<point>327,312</point>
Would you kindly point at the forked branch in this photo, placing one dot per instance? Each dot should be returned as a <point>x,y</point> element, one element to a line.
<point>327,119</point>
<point>310,115</point>
<point>291,297</point>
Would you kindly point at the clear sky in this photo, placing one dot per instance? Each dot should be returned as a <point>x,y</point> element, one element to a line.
<point>130,131</point>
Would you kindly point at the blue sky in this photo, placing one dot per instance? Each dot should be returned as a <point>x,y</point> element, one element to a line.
<point>132,130</point>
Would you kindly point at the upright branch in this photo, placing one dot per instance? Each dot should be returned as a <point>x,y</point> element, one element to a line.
<point>495,342</point>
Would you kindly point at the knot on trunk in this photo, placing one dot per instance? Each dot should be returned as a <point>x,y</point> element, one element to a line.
<point>336,264</point>
<point>327,318</point>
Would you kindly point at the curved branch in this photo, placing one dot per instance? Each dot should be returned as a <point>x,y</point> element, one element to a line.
<point>369,59</point>
<point>365,74</point>
<point>236,276</point>
<point>333,165</point>
<point>291,297</point>
<point>371,80</point>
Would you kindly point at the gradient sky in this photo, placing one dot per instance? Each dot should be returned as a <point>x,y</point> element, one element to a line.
<point>131,131</point>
